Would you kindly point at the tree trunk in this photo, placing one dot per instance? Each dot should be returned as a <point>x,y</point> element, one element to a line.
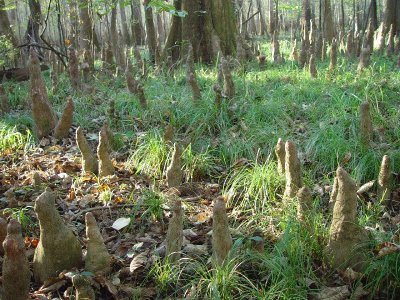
<point>390,15</point>
<point>271,15</point>
<point>197,29</point>
<point>223,20</point>
<point>5,26</point>
<point>306,14</point>
<point>160,30</point>
<point>136,23</point>
<point>373,15</point>
<point>151,32</point>
<point>328,28</point>
<point>87,34</point>
<point>263,24</point>
<point>125,31</point>
<point>173,44</point>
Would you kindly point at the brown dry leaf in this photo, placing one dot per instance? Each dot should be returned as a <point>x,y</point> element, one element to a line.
<point>387,248</point>
<point>107,283</point>
<point>138,261</point>
<point>53,287</point>
<point>366,187</point>
<point>333,293</point>
<point>352,275</point>
<point>201,217</point>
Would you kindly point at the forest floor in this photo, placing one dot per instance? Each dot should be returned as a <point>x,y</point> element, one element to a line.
<point>228,153</point>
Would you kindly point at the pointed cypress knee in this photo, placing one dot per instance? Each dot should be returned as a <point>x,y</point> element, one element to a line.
<point>89,160</point>
<point>58,249</point>
<point>292,170</point>
<point>345,236</point>
<point>16,274</point>
<point>98,260</point>
<point>221,237</point>
<point>174,239</point>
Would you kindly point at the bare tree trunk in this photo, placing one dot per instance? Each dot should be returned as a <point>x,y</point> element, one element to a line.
<point>125,31</point>
<point>390,15</point>
<point>263,24</point>
<point>224,24</point>
<point>373,16</point>
<point>151,32</point>
<point>87,34</point>
<point>197,29</point>
<point>271,15</point>
<point>136,23</point>
<point>306,15</point>
<point>328,28</point>
<point>173,44</point>
<point>160,30</point>
<point>5,26</point>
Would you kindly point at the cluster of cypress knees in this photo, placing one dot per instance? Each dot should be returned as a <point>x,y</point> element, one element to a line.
<point>59,249</point>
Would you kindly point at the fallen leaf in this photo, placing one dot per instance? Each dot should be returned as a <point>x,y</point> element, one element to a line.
<point>366,187</point>
<point>121,223</point>
<point>387,248</point>
<point>333,293</point>
<point>138,261</point>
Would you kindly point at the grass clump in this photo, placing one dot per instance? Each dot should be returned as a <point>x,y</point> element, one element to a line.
<point>12,139</point>
<point>254,186</point>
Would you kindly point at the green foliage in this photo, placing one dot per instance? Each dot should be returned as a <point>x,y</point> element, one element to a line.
<point>11,139</point>
<point>255,186</point>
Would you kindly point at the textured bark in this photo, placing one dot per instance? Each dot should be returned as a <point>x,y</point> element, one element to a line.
<point>168,133</point>
<point>365,123</point>
<point>280,155</point>
<point>224,24</point>
<point>344,234</point>
<point>3,233</point>
<point>312,67</point>
<point>89,160</point>
<point>306,13</point>
<point>197,29</point>
<point>73,70</point>
<point>390,15</point>
<point>124,25</point>
<point>87,34</point>
<point>106,167</point>
<point>98,260</point>
<point>276,53</point>
<point>43,114</point>
<point>136,23</point>
<point>84,290</point>
<point>174,39</point>
<point>229,86</point>
<point>174,171</point>
<point>65,123</point>
<point>221,237</point>
<point>292,170</point>
<point>151,31</point>
<point>364,59</point>
<point>58,249</point>
<point>390,44</point>
<point>369,37</point>
<point>271,17</point>
<point>4,102</point>
<point>5,26</point>
<point>328,26</point>
<point>174,238</point>
<point>333,55</point>
<point>16,274</point>
<point>196,95</point>
<point>384,181</point>
<point>305,203</point>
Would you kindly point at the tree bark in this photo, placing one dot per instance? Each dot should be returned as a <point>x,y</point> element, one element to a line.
<point>223,20</point>
<point>136,23</point>
<point>306,14</point>
<point>125,31</point>
<point>151,31</point>
<point>271,15</point>
<point>390,15</point>
<point>87,34</point>
<point>263,24</point>
<point>174,40</point>
<point>328,28</point>
<point>5,26</point>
